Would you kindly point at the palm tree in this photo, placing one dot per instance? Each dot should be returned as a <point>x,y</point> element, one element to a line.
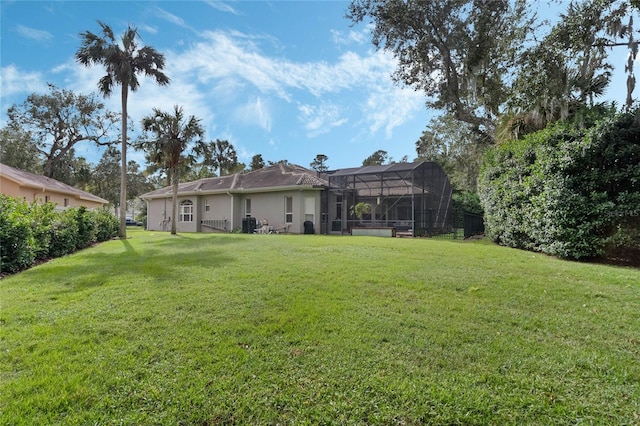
<point>123,62</point>
<point>173,135</point>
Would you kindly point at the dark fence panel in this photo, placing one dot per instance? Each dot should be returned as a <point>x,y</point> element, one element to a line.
<point>462,225</point>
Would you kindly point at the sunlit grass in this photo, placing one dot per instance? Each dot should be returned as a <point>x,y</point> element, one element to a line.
<point>274,329</point>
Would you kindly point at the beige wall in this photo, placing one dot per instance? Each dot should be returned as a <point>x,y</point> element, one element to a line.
<point>30,195</point>
<point>269,206</point>
<point>158,213</point>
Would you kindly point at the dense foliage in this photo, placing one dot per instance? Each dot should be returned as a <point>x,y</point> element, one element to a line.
<point>32,232</point>
<point>566,191</point>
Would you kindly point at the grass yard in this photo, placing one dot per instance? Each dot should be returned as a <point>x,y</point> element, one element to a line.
<point>204,329</point>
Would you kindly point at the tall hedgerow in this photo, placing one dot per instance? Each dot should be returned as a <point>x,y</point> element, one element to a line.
<point>32,232</point>
<point>17,244</point>
<point>565,191</point>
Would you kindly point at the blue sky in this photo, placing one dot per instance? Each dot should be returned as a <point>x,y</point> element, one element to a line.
<point>285,79</point>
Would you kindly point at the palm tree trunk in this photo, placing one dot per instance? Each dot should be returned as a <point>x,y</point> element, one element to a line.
<point>123,171</point>
<point>174,202</point>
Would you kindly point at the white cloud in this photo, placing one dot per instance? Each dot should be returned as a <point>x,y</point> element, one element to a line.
<point>149,29</point>
<point>342,39</point>
<point>169,17</point>
<point>222,6</point>
<point>255,113</point>
<point>34,34</point>
<point>14,81</point>
<point>222,56</point>
<point>390,107</point>
<point>243,153</point>
<point>320,119</point>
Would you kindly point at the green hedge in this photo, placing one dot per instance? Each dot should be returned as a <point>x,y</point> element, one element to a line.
<point>563,191</point>
<point>31,232</point>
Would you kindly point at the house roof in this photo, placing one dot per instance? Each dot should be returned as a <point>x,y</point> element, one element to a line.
<point>43,183</point>
<point>272,178</point>
<point>377,169</point>
<point>389,179</point>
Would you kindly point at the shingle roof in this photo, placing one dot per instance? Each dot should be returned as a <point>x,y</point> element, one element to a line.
<point>31,180</point>
<point>267,178</point>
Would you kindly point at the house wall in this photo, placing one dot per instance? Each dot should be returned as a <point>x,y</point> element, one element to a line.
<point>220,209</point>
<point>12,189</point>
<point>158,214</point>
<point>271,206</point>
<point>268,205</point>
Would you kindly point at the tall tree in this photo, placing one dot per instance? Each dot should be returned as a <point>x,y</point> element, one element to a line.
<point>72,170</point>
<point>19,150</point>
<point>257,162</point>
<point>106,176</point>
<point>454,147</point>
<point>58,121</point>
<point>173,136</point>
<point>222,155</point>
<point>376,159</point>
<point>123,62</point>
<point>461,53</point>
<point>319,163</point>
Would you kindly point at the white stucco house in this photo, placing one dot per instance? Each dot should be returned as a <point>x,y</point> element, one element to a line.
<point>284,195</point>
<point>413,198</point>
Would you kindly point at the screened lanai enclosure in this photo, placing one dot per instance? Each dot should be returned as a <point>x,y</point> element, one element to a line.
<point>411,198</point>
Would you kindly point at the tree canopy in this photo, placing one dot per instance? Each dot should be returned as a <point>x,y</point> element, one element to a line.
<point>58,121</point>
<point>319,163</point>
<point>483,61</point>
<point>376,159</point>
<point>172,139</point>
<point>256,162</point>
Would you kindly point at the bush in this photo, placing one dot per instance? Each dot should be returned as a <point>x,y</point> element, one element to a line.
<point>564,191</point>
<point>41,218</point>
<point>106,225</point>
<point>17,244</point>
<point>86,228</point>
<point>64,234</point>
<point>31,232</point>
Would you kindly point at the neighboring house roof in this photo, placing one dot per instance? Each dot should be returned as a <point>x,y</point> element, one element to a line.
<point>43,183</point>
<point>273,178</point>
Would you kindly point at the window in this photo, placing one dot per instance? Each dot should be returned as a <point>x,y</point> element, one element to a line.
<point>47,198</point>
<point>247,207</point>
<point>207,207</point>
<point>309,208</point>
<point>288,209</point>
<point>186,211</point>
<point>66,202</point>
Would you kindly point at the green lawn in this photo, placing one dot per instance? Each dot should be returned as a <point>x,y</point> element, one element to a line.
<point>202,329</point>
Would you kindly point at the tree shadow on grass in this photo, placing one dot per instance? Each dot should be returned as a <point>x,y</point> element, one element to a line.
<point>156,264</point>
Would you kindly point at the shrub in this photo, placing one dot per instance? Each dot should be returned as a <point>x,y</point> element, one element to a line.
<point>564,191</point>
<point>17,245</point>
<point>86,228</point>
<point>106,225</point>
<point>41,218</point>
<point>64,234</point>
<point>466,201</point>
